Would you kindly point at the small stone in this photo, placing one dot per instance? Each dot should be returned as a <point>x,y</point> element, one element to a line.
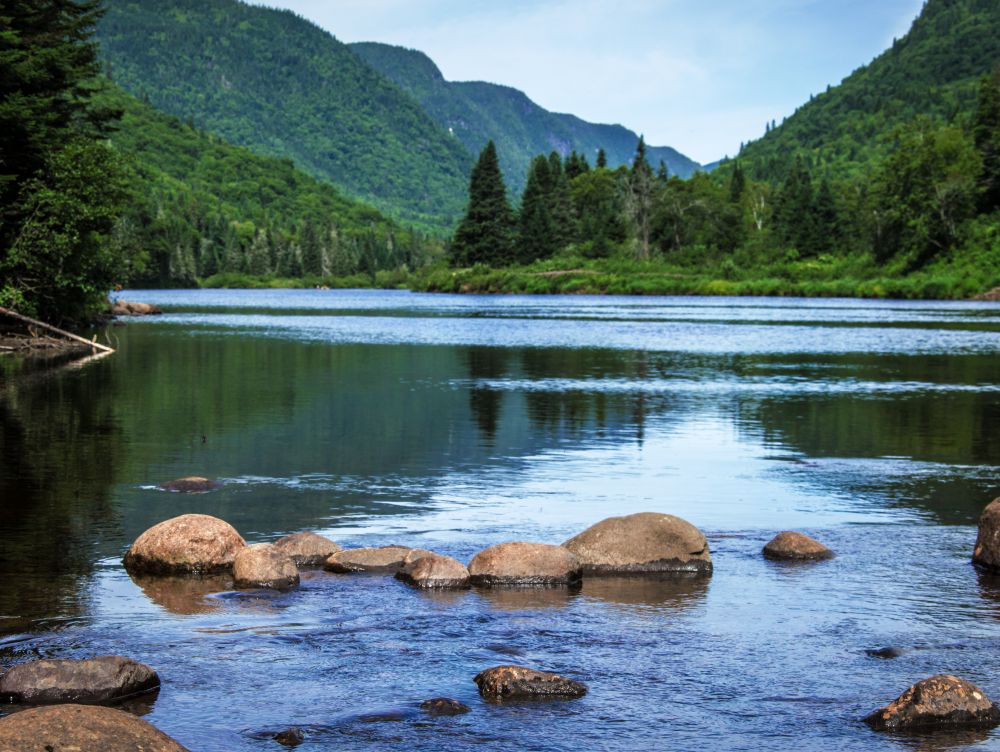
<point>443,706</point>
<point>792,546</point>
<point>291,737</point>
<point>191,484</point>
<point>107,678</point>
<point>519,682</point>
<point>647,543</point>
<point>307,549</point>
<point>885,653</point>
<point>264,566</point>
<point>519,564</point>
<point>387,559</point>
<point>986,554</point>
<point>942,700</point>
<point>434,571</point>
<point>191,543</point>
<point>81,728</point>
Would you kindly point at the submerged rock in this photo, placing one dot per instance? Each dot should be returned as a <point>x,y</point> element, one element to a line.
<point>81,728</point>
<point>94,681</point>
<point>291,737</point>
<point>987,551</point>
<point>191,484</point>
<point>942,700</point>
<point>885,653</point>
<point>524,564</point>
<point>644,543</point>
<point>443,706</point>
<point>434,571</point>
<point>264,566</point>
<point>307,549</point>
<point>185,544</point>
<point>520,682</point>
<point>386,559</point>
<point>792,546</point>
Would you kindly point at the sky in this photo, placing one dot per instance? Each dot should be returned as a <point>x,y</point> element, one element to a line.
<point>702,76</point>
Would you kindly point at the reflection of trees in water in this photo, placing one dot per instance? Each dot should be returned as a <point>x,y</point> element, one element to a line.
<point>60,449</point>
<point>484,401</point>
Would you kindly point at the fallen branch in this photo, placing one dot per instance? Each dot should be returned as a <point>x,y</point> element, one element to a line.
<point>34,322</point>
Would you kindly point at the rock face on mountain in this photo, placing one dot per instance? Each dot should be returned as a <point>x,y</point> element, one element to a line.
<point>191,543</point>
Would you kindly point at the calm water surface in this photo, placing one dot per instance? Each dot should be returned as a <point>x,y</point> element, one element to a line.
<point>456,422</point>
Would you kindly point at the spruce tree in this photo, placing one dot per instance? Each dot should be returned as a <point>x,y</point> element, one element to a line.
<point>794,208</point>
<point>737,184</point>
<point>986,133</point>
<point>560,202</point>
<point>602,159</point>
<point>537,236</point>
<point>312,257</point>
<point>486,234</point>
<point>640,186</point>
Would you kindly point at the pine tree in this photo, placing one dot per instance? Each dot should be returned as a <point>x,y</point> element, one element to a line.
<point>737,184</point>
<point>561,208</point>
<point>639,198</point>
<point>576,165</point>
<point>602,159</point>
<point>537,237</point>
<point>486,234</point>
<point>986,133</point>
<point>825,224</point>
<point>312,257</point>
<point>793,208</point>
<point>662,173</point>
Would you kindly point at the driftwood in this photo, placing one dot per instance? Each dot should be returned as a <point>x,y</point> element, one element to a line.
<point>62,332</point>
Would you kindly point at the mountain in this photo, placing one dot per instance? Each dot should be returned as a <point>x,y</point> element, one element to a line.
<point>273,82</point>
<point>933,71</point>
<point>476,112</point>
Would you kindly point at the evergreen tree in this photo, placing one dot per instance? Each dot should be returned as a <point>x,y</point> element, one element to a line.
<point>662,173</point>
<point>486,234</point>
<point>986,133</point>
<point>537,236</point>
<point>560,203</point>
<point>259,255</point>
<point>794,208</point>
<point>737,184</point>
<point>576,165</point>
<point>825,221</point>
<point>312,256</point>
<point>602,159</point>
<point>640,186</point>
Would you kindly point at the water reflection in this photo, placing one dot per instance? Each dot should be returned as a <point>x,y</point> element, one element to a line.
<point>522,599</point>
<point>183,595</point>
<point>674,593</point>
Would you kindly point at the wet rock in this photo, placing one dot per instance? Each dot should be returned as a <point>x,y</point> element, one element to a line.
<point>387,559</point>
<point>443,706</point>
<point>645,543</point>
<point>94,681</point>
<point>81,728</point>
<point>987,551</point>
<point>307,549</point>
<point>520,564</point>
<point>416,553</point>
<point>434,571</point>
<point>885,653</point>
<point>264,566</point>
<point>942,700</point>
<point>191,484</point>
<point>519,682</point>
<point>291,737</point>
<point>131,308</point>
<point>792,546</point>
<point>185,544</point>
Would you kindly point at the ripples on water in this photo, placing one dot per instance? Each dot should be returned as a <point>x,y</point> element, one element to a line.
<point>455,422</point>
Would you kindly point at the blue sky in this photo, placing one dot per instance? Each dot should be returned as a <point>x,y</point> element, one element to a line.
<point>699,76</point>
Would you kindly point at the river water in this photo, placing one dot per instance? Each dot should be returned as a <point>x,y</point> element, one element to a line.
<point>457,422</point>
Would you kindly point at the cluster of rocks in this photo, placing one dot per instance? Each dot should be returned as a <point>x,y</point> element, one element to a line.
<point>130,308</point>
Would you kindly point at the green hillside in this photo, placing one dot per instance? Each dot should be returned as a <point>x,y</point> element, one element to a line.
<point>275,83</point>
<point>934,71</point>
<point>477,112</point>
<point>202,207</point>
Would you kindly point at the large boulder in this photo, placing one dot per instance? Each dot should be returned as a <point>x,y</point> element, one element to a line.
<point>264,566</point>
<point>386,559</point>
<point>191,484</point>
<point>520,682</point>
<point>520,564</point>
<point>81,728</point>
<point>189,543</point>
<point>434,571</point>
<point>94,681</point>
<point>307,549</point>
<point>942,700</point>
<point>644,543</point>
<point>987,551</point>
<point>792,546</point>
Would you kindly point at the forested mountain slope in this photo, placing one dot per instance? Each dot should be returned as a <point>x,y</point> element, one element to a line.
<point>275,83</point>
<point>477,112</point>
<point>934,70</point>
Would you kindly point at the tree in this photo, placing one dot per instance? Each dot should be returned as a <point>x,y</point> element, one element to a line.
<point>986,134</point>
<point>560,203</point>
<point>259,255</point>
<point>737,184</point>
<point>486,234</point>
<point>639,187</point>
<point>793,208</point>
<point>602,159</point>
<point>537,237</point>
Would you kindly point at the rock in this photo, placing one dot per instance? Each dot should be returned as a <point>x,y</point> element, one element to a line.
<point>884,653</point>
<point>942,700</point>
<point>521,564</point>
<point>185,544</point>
<point>987,551</point>
<point>307,549</point>
<point>434,571</point>
<point>94,681</point>
<point>443,706</point>
<point>81,728</point>
<point>992,296</point>
<point>385,559</point>
<point>644,543</point>
<point>129,308</point>
<point>191,484</point>
<point>519,682</point>
<point>264,566</point>
<point>416,553</point>
<point>291,737</point>
<point>791,546</point>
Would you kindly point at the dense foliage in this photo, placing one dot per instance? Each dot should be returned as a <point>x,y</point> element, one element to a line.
<point>273,82</point>
<point>477,112</point>
<point>204,208</point>
<point>61,187</point>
